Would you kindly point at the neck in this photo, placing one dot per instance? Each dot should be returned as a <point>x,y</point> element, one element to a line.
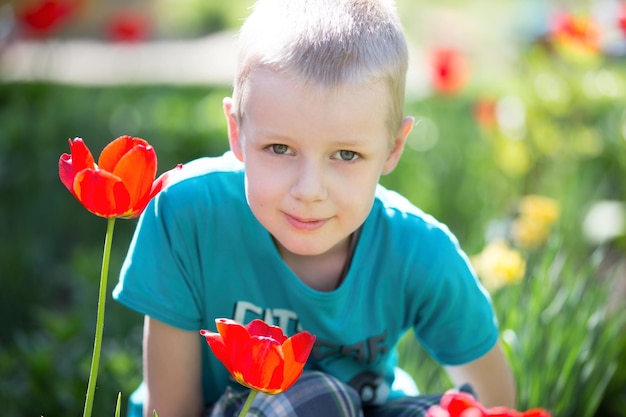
<point>323,272</point>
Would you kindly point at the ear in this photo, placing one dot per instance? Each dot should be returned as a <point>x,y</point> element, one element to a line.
<point>398,144</point>
<point>233,128</point>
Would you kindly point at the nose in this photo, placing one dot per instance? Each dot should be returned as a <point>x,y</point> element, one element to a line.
<point>309,182</point>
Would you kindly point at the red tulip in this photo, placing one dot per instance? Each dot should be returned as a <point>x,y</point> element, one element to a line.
<point>461,404</point>
<point>485,112</point>
<point>577,32</point>
<point>260,356</point>
<point>122,183</point>
<point>128,26</point>
<point>450,70</point>
<point>621,18</point>
<point>44,17</point>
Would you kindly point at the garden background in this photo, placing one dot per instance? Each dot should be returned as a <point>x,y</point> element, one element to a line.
<point>519,146</point>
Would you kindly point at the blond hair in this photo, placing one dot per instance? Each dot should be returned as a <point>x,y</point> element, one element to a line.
<point>326,44</point>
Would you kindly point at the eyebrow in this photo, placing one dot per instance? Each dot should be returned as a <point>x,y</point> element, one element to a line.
<point>269,134</point>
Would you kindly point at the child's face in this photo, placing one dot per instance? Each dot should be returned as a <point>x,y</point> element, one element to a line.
<point>313,159</point>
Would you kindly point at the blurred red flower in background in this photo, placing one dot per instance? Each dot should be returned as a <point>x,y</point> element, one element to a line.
<point>621,18</point>
<point>43,18</point>
<point>128,26</point>
<point>485,112</point>
<point>579,33</point>
<point>449,70</point>
<point>461,404</point>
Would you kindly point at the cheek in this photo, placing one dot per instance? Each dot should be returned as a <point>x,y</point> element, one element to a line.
<point>356,194</point>
<point>254,191</point>
<point>261,187</point>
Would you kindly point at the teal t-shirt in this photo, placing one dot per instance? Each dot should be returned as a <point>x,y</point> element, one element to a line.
<point>199,253</point>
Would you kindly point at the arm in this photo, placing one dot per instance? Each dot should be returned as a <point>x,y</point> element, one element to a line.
<point>490,377</point>
<point>172,364</point>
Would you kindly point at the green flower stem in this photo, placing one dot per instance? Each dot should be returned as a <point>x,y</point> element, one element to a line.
<point>102,295</point>
<point>248,403</point>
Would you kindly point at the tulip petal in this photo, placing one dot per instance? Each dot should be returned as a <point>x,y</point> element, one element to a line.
<point>157,186</point>
<point>437,411</point>
<point>471,412</point>
<point>536,412</point>
<point>296,350</point>
<point>262,368</point>
<point>457,402</point>
<point>300,345</point>
<point>502,412</point>
<point>235,337</point>
<point>461,404</point>
<point>232,332</point>
<point>101,192</point>
<point>137,169</point>
<point>69,164</point>
<point>67,172</point>
<point>260,328</point>
<point>216,343</point>
<point>116,149</point>
<point>81,155</point>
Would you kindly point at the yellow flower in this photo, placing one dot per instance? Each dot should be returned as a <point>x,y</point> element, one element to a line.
<point>499,265</point>
<point>537,215</point>
<point>542,208</point>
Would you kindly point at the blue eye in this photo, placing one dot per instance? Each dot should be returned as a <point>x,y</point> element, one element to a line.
<point>345,155</point>
<point>279,149</point>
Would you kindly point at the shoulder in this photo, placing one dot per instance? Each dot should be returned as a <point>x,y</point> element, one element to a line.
<point>405,219</point>
<point>206,177</point>
<point>206,166</point>
<point>411,240</point>
<point>202,186</point>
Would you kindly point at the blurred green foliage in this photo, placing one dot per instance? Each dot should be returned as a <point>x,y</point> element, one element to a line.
<point>188,18</point>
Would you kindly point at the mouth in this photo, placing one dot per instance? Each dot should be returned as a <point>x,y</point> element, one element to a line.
<point>305,224</point>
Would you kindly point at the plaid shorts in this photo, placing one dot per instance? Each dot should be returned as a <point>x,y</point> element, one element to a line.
<point>317,394</point>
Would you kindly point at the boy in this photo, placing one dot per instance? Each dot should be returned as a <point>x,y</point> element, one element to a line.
<point>292,227</point>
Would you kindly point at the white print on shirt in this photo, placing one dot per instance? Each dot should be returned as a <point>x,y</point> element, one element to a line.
<point>287,320</point>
